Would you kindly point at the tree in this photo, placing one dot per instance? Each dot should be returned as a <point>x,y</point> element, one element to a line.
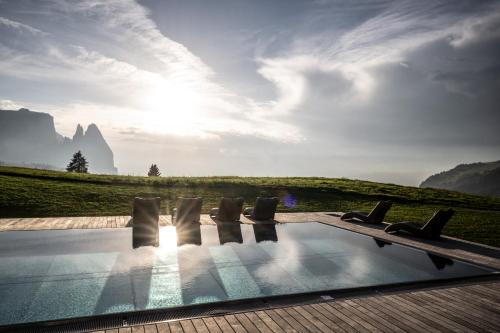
<point>154,171</point>
<point>78,163</point>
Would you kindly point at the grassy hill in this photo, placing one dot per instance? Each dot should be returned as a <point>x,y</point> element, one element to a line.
<point>31,192</point>
<point>475,178</point>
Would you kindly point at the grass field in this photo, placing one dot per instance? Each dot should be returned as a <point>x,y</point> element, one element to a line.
<point>36,193</point>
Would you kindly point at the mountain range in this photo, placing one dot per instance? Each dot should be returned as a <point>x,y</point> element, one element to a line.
<point>474,178</point>
<point>30,138</point>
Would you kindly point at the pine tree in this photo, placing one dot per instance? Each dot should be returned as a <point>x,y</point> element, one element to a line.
<point>154,171</point>
<point>78,163</point>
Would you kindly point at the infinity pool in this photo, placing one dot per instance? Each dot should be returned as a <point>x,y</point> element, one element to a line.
<point>60,274</point>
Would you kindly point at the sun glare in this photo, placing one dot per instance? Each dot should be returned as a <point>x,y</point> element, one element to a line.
<point>172,109</point>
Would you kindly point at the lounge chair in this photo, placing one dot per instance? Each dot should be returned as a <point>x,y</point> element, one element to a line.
<point>376,216</point>
<point>145,216</point>
<point>229,210</point>
<point>263,210</point>
<point>187,211</point>
<point>432,229</point>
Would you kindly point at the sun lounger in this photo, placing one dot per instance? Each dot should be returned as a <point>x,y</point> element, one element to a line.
<point>187,211</point>
<point>229,210</point>
<point>263,210</point>
<point>432,229</point>
<point>376,216</point>
<point>145,216</point>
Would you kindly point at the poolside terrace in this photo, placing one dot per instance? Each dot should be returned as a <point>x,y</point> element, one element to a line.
<point>455,306</point>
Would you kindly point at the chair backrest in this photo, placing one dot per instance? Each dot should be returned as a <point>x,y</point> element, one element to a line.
<point>230,209</point>
<point>188,210</point>
<point>146,211</point>
<point>436,223</point>
<point>145,217</point>
<point>265,208</point>
<point>377,214</point>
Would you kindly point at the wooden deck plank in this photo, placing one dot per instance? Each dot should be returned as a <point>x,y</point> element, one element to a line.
<point>235,324</point>
<point>332,308</point>
<point>295,320</point>
<point>269,322</point>
<point>137,329</point>
<point>416,314</point>
<point>336,323</point>
<point>199,325</point>
<point>175,327</point>
<point>490,319</point>
<point>280,321</point>
<point>480,301</point>
<point>364,318</point>
<point>223,324</point>
<point>150,329</point>
<point>212,325</point>
<point>312,318</point>
<point>424,314</point>
<point>401,319</point>
<point>188,326</point>
<point>125,330</point>
<point>162,328</point>
<point>257,322</point>
<point>247,324</point>
<point>375,316</point>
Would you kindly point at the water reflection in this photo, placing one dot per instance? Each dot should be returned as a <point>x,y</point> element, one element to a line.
<point>440,262</point>
<point>188,233</point>
<point>381,243</point>
<point>229,232</point>
<point>265,232</point>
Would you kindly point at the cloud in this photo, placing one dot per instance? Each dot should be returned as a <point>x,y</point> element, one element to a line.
<point>481,28</point>
<point>6,104</point>
<point>20,27</point>
<point>407,85</point>
<point>167,88</point>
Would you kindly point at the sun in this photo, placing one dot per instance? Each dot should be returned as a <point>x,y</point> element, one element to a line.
<point>172,109</point>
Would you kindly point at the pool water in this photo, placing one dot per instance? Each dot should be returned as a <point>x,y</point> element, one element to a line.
<point>60,274</point>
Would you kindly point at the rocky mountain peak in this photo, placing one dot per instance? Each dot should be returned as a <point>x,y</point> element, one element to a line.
<point>79,133</point>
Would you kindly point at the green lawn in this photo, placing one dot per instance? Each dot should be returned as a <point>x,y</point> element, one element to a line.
<point>28,192</point>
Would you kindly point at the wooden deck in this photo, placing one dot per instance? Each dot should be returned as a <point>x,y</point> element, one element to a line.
<point>467,307</point>
<point>471,308</point>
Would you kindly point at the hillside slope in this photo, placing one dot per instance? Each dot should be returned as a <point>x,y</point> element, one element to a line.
<point>475,178</point>
<point>37,193</point>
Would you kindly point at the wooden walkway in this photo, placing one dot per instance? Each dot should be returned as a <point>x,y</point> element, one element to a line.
<point>471,307</point>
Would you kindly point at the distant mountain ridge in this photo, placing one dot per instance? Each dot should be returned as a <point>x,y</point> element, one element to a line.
<point>29,137</point>
<point>476,178</point>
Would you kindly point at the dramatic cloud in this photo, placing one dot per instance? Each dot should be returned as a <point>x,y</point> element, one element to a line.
<point>385,90</point>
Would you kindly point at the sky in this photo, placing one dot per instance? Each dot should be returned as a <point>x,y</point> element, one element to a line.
<point>389,91</point>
